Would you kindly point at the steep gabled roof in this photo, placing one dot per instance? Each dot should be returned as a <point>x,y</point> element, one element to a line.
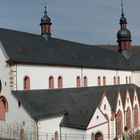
<point>112,93</point>
<point>35,49</point>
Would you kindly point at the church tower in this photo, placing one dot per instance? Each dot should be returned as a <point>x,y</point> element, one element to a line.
<point>123,35</point>
<point>46,25</point>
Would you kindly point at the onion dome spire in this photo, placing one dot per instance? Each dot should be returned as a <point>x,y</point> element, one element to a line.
<point>45,24</point>
<point>122,19</point>
<point>123,35</point>
<point>45,18</point>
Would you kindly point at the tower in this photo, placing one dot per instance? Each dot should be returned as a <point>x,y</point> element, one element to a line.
<point>46,25</point>
<point>123,35</point>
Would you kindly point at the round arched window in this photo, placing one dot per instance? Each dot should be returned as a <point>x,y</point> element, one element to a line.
<point>0,86</point>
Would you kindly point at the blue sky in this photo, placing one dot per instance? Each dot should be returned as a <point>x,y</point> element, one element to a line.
<point>85,21</point>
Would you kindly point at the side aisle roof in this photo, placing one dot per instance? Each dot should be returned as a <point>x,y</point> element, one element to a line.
<point>71,102</point>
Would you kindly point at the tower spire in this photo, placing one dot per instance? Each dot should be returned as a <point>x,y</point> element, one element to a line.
<point>45,12</point>
<point>122,11</point>
<point>46,24</point>
<point>123,35</point>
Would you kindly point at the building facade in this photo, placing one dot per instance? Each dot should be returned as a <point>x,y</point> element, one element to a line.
<point>58,89</point>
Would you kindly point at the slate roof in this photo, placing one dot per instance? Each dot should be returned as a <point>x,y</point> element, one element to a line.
<point>112,93</point>
<point>29,48</point>
<point>42,104</point>
<point>76,104</point>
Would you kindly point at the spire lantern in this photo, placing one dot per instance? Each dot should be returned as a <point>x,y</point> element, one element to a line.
<point>46,24</point>
<point>123,35</point>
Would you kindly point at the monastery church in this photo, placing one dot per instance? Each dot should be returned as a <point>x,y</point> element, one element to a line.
<point>54,89</point>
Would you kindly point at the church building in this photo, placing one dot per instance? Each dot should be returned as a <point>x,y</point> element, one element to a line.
<point>55,89</point>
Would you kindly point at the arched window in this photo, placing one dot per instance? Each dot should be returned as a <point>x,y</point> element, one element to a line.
<point>92,136</point>
<point>78,81</point>
<point>60,82</point>
<point>85,81</point>
<point>104,106</point>
<point>126,80</point>
<point>129,80</point>
<point>99,81</point>
<point>104,81</point>
<point>51,82</point>
<point>26,83</point>
<point>128,118</point>
<point>99,136</point>
<point>135,116</point>
<point>118,80</point>
<point>119,103</point>
<point>114,80</point>
<point>3,107</point>
<point>119,123</point>
<point>0,86</point>
<point>56,135</point>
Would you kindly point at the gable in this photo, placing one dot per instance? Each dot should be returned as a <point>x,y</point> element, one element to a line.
<point>135,99</point>
<point>97,119</point>
<point>105,107</point>
<point>119,105</point>
<point>127,102</point>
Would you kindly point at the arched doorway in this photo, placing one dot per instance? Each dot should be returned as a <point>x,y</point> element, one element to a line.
<point>22,134</point>
<point>128,118</point>
<point>119,123</point>
<point>136,116</point>
<point>99,136</point>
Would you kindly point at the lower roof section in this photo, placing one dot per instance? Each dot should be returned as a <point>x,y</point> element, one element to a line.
<point>76,104</point>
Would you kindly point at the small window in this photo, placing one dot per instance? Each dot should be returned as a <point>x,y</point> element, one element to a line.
<point>60,82</point>
<point>3,107</point>
<point>99,81</point>
<point>135,98</point>
<point>51,82</point>
<point>119,102</point>
<point>26,83</point>
<point>78,81</point>
<point>114,80</point>
<point>129,80</point>
<point>0,86</point>
<point>127,100</point>
<point>105,107</point>
<point>97,117</point>
<point>118,80</point>
<point>104,81</point>
<point>126,80</point>
<point>85,81</point>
